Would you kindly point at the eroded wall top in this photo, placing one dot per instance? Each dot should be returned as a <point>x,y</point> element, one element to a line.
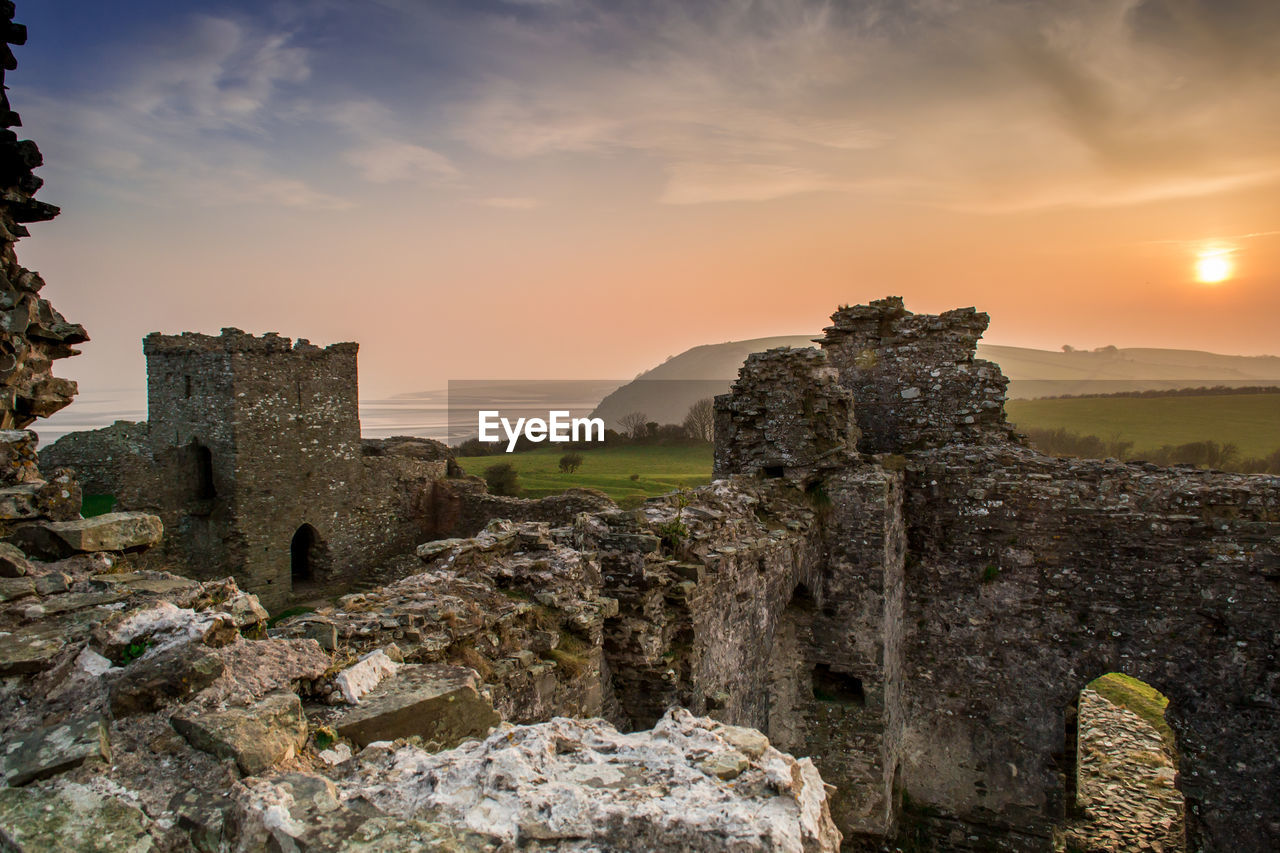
<point>787,416</point>
<point>915,378</point>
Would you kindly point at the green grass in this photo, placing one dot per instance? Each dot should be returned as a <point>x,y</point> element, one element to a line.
<point>1247,420</point>
<point>91,505</point>
<point>1140,698</point>
<point>609,469</point>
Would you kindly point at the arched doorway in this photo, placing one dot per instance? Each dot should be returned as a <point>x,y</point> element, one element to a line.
<point>205,490</point>
<point>1123,782</point>
<point>304,554</point>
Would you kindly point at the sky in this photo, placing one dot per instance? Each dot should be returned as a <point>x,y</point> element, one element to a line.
<point>553,188</point>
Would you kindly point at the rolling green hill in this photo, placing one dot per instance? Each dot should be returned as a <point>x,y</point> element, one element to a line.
<point>666,392</point>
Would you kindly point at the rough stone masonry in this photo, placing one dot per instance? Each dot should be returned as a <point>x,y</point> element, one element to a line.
<point>882,577</point>
<point>969,587</point>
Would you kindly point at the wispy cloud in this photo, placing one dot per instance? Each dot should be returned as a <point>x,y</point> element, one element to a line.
<point>386,160</point>
<point>188,120</point>
<point>1006,105</point>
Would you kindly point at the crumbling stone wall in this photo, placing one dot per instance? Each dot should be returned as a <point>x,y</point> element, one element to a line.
<point>701,580</point>
<point>463,506</point>
<point>32,333</point>
<point>967,587</point>
<point>786,415</point>
<point>1031,576</point>
<point>915,378</point>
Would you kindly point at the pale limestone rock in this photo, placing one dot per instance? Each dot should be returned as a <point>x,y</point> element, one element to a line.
<point>581,785</point>
<point>364,675</point>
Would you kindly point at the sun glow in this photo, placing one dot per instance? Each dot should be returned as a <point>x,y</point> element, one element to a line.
<point>1214,266</point>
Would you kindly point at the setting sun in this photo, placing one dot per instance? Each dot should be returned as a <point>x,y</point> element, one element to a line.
<point>1213,267</point>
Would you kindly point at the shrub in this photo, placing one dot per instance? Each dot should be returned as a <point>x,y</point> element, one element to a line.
<point>502,479</point>
<point>476,447</point>
<point>570,463</point>
<point>672,534</point>
<point>634,477</point>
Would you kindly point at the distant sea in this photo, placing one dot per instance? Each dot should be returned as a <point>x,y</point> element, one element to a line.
<point>422,413</point>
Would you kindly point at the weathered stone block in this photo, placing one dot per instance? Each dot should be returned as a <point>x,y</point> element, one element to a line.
<point>13,563</point>
<point>17,457</point>
<point>12,589</point>
<point>258,737</point>
<point>60,497</point>
<point>437,703</point>
<point>114,531</point>
<point>18,502</point>
<point>70,817</point>
<point>30,756</point>
<point>166,676</point>
<point>28,650</point>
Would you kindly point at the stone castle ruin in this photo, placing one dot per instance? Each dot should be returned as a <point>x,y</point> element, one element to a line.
<point>881,577</point>
<point>252,456</point>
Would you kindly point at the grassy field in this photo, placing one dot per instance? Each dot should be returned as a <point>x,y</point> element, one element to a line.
<point>1250,421</point>
<point>1247,420</point>
<point>609,469</point>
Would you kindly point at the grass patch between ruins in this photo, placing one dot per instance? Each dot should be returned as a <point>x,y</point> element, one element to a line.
<point>91,505</point>
<point>661,469</point>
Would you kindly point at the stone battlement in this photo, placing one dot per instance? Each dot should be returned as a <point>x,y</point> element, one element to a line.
<point>234,340</point>
<point>915,377</point>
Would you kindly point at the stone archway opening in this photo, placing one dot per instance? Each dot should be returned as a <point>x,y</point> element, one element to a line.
<point>204,487</point>
<point>789,692</point>
<point>305,555</point>
<point>1122,790</point>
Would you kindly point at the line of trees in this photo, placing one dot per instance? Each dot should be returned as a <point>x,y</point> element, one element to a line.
<point>1202,391</point>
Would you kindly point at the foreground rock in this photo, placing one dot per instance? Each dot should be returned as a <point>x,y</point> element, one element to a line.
<point>440,704</point>
<point>258,737</point>
<point>115,531</point>
<point>30,756</point>
<point>574,785</point>
<point>70,817</point>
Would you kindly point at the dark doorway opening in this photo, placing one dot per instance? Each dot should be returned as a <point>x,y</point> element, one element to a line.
<point>831,686</point>
<point>302,554</point>
<point>204,474</point>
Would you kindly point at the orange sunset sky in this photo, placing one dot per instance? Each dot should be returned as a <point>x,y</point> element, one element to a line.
<point>569,189</point>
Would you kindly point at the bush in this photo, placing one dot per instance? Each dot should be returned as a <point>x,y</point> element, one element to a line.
<point>476,447</point>
<point>502,479</point>
<point>570,462</point>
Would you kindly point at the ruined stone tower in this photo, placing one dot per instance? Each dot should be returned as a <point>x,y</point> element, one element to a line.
<point>262,439</point>
<point>253,458</point>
